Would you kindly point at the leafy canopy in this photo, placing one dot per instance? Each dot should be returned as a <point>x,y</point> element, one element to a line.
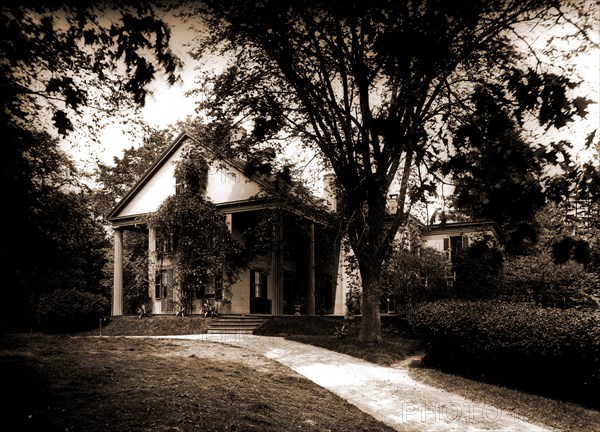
<point>59,58</point>
<point>350,80</point>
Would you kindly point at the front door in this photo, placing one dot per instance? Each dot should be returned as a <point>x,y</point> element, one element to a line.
<point>259,303</point>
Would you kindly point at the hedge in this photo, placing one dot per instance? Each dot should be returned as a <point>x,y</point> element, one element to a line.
<point>553,350</point>
<point>69,310</point>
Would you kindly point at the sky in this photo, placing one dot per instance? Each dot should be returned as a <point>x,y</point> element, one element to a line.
<point>169,104</point>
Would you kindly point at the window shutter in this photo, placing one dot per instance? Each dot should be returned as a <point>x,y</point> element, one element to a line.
<point>252,284</point>
<point>465,241</point>
<point>446,243</point>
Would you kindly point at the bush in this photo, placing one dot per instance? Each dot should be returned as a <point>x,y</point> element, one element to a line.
<point>553,351</point>
<point>479,271</point>
<point>307,325</point>
<point>538,279</point>
<point>414,276</point>
<point>70,310</point>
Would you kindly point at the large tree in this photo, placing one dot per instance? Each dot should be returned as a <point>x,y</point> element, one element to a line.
<point>53,240</point>
<point>64,67</point>
<point>374,87</point>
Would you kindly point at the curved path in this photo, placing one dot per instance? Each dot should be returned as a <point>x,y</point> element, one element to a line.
<point>387,393</point>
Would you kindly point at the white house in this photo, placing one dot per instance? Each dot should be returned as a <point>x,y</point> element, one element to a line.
<point>306,261</point>
<point>305,269</point>
<point>451,237</point>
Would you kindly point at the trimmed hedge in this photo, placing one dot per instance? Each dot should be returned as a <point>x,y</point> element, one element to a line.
<point>69,310</point>
<point>550,350</point>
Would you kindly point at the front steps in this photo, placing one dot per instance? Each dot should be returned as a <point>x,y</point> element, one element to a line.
<point>235,324</point>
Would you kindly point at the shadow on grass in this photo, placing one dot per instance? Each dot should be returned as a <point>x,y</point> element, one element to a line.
<point>320,331</point>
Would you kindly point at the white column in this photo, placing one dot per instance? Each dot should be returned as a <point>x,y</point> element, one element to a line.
<point>229,222</point>
<point>277,270</point>
<point>311,270</point>
<point>152,267</point>
<point>117,300</point>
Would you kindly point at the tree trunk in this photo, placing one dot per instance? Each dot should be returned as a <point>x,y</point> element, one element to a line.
<point>370,272</point>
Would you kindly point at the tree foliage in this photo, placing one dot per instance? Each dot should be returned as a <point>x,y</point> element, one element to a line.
<point>576,191</point>
<point>64,66</point>
<point>414,276</point>
<point>349,80</point>
<point>495,173</point>
<point>560,270</point>
<point>54,240</point>
<point>479,271</point>
<point>59,58</point>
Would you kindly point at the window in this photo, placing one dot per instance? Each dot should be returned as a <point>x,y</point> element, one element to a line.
<point>258,284</point>
<point>191,176</point>
<point>167,243</point>
<point>211,287</point>
<point>162,284</point>
<point>453,245</point>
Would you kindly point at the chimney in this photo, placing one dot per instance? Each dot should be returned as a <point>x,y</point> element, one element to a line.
<point>330,191</point>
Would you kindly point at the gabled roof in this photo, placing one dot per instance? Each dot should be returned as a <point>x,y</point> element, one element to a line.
<point>147,175</point>
<point>185,136</point>
<point>166,156</point>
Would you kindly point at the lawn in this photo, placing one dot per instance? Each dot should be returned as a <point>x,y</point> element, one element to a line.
<point>147,384</point>
<point>62,383</point>
<point>319,331</point>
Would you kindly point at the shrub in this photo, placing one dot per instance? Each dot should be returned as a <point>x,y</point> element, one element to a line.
<point>415,276</point>
<point>538,279</point>
<point>353,300</point>
<point>69,310</point>
<point>479,271</point>
<point>550,350</point>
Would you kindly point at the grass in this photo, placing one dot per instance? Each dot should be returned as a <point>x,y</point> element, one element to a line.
<point>151,326</point>
<point>59,383</point>
<point>561,415</point>
<point>319,331</point>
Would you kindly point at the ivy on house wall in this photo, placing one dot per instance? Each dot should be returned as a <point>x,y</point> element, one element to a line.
<point>201,248</point>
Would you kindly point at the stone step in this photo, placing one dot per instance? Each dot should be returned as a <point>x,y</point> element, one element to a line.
<point>234,324</point>
<point>230,331</point>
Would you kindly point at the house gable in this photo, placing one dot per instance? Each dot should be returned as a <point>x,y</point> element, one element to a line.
<point>227,184</point>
